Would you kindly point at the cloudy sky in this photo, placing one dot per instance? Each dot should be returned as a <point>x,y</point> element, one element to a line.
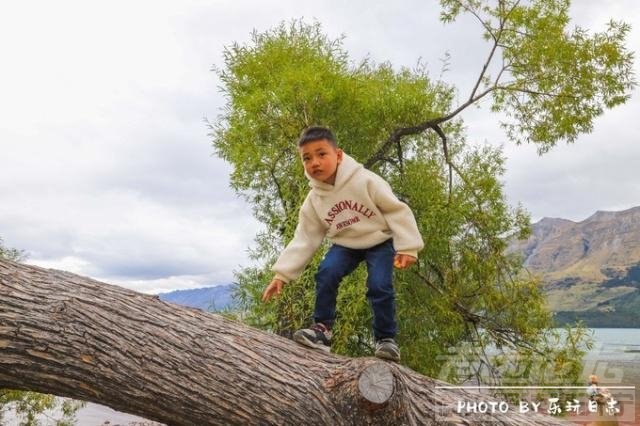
<point>106,168</point>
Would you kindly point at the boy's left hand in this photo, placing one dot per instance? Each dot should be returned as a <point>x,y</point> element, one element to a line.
<point>403,261</point>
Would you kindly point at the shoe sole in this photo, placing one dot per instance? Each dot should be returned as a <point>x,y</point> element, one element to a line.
<point>301,338</point>
<point>387,356</point>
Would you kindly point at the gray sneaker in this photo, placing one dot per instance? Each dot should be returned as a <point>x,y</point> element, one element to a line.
<point>387,348</point>
<point>318,336</point>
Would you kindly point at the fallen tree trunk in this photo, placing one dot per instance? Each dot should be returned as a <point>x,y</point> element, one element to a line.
<point>72,336</point>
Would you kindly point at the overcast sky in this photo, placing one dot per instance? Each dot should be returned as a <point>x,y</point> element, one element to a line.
<point>106,168</point>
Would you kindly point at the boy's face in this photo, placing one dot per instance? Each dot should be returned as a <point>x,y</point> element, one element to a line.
<point>320,160</point>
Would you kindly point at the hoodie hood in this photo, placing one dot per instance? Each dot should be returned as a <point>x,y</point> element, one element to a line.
<point>346,169</point>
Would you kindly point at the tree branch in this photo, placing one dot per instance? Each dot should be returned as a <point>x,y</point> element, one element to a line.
<point>72,336</point>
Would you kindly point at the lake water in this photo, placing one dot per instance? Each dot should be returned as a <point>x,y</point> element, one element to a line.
<point>615,359</point>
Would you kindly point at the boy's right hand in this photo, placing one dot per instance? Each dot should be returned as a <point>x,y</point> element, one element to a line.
<point>273,289</point>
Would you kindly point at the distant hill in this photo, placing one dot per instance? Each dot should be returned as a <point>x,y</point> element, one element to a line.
<point>207,298</point>
<point>591,269</point>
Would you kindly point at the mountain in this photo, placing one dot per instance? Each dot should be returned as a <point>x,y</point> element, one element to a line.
<point>590,269</point>
<point>207,298</point>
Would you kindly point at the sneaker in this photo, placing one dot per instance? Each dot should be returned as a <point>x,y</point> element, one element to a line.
<point>387,348</point>
<point>318,336</point>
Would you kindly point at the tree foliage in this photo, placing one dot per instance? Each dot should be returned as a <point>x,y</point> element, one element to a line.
<point>29,407</point>
<point>465,293</point>
<point>552,81</point>
<point>11,253</point>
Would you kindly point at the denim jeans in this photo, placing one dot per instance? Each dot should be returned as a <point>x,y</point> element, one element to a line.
<point>341,261</point>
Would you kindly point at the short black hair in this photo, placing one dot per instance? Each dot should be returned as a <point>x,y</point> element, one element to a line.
<point>316,133</point>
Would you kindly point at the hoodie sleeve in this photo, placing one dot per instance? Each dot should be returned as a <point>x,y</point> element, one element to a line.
<point>399,217</point>
<point>306,240</point>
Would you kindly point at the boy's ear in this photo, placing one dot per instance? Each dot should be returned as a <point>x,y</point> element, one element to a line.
<point>339,153</point>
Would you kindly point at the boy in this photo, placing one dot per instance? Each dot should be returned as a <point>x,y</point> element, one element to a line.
<point>358,212</point>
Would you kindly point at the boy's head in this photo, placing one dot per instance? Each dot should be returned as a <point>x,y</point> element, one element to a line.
<point>320,153</point>
<point>316,133</point>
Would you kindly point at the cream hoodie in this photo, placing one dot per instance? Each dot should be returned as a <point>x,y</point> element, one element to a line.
<point>358,211</point>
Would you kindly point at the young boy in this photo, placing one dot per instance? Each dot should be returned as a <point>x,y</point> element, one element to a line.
<point>358,212</point>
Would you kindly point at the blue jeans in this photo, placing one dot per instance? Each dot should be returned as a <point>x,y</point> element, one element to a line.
<point>341,261</point>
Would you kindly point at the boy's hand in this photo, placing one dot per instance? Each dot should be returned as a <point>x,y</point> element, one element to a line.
<point>403,261</point>
<point>273,289</point>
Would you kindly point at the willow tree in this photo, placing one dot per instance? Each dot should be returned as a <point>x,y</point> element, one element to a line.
<point>549,82</point>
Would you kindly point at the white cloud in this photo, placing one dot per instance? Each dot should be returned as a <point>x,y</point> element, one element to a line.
<point>105,163</point>
<point>598,172</point>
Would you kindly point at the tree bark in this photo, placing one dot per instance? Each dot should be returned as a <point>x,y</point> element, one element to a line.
<point>72,336</point>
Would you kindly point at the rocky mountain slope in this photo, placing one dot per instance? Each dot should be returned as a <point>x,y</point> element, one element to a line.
<point>590,269</point>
